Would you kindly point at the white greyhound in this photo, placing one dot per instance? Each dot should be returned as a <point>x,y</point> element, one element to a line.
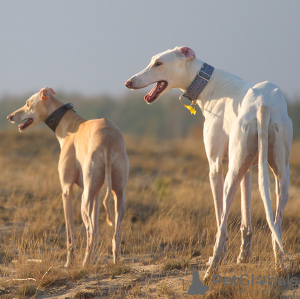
<point>246,123</point>
<point>91,151</point>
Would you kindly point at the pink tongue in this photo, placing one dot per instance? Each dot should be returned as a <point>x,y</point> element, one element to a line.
<point>24,125</point>
<point>152,92</point>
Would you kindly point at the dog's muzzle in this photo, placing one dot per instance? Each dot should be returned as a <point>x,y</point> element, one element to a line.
<point>128,83</point>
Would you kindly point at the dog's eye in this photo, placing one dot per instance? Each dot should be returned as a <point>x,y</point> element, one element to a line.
<point>158,63</point>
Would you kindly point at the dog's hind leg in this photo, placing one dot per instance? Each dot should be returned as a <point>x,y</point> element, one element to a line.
<point>67,190</point>
<point>119,198</point>
<point>67,175</point>
<point>91,223</point>
<point>279,152</point>
<point>246,229</point>
<point>93,178</point>
<point>95,213</point>
<point>119,181</point>
<point>282,195</point>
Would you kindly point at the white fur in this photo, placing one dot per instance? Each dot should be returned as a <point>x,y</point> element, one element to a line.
<point>244,122</point>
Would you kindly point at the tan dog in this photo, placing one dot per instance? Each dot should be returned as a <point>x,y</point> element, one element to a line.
<point>90,152</point>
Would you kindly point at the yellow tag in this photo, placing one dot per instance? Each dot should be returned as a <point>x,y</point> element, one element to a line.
<point>192,110</point>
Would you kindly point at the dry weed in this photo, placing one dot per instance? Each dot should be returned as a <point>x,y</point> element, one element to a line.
<point>169,219</point>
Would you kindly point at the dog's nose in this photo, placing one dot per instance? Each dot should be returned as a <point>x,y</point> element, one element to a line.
<point>128,83</point>
<point>9,117</point>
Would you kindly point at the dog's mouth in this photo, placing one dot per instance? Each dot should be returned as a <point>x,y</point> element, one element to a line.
<point>28,121</point>
<point>158,88</point>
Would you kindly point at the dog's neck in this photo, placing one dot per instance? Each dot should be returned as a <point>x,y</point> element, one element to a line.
<point>68,124</point>
<point>222,85</point>
<point>193,66</point>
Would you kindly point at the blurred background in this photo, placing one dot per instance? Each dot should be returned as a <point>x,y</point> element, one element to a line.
<point>86,50</point>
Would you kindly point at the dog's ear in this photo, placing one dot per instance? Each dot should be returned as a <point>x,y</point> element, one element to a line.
<point>45,92</point>
<point>186,53</point>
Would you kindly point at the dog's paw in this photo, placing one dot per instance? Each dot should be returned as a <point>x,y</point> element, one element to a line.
<point>209,261</point>
<point>67,265</point>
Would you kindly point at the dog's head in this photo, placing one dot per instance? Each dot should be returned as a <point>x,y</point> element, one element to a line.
<point>167,70</point>
<point>34,111</point>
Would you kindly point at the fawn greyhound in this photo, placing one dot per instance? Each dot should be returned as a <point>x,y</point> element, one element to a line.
<point>246,123</point>
<point>91,151</point>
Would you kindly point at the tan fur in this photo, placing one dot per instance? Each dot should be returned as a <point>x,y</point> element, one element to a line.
<point>91,151</point>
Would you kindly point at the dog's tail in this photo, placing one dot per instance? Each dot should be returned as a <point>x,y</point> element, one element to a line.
<point>109,184</point>
<point>263,119</point>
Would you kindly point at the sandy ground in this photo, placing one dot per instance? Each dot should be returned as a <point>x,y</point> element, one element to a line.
<point>144,281</point>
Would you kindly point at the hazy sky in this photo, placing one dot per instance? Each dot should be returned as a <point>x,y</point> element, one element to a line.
<point>93,47</point>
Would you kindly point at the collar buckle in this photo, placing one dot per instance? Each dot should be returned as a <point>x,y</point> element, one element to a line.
<point>204,75</point>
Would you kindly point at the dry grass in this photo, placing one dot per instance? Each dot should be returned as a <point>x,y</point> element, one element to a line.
<point>169,223</point>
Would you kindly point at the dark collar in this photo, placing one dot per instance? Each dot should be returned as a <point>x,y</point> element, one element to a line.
<point>203,76</point>
<point>54,118</point>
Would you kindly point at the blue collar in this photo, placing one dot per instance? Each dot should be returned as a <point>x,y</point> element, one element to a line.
<point>200,81</point>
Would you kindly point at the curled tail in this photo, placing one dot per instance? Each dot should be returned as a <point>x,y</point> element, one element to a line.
<point>263,119</point>
<point>108,192</point>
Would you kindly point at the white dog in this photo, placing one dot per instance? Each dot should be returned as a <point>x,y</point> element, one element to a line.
<point>91,151</point>
<point>246,123</point>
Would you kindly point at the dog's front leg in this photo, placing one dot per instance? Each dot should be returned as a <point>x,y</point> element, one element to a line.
<point>69,219</point>
<point>216,184</point>
<point>214,148</point>
<point>240,160</point>
<point>230,187</point>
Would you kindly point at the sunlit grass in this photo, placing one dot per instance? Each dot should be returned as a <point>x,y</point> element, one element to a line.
<point>169,219</point>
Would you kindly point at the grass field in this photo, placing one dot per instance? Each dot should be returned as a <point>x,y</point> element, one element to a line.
<point>168,230</point>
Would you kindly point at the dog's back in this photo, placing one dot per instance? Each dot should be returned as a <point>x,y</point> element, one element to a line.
<point>97,135</point>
